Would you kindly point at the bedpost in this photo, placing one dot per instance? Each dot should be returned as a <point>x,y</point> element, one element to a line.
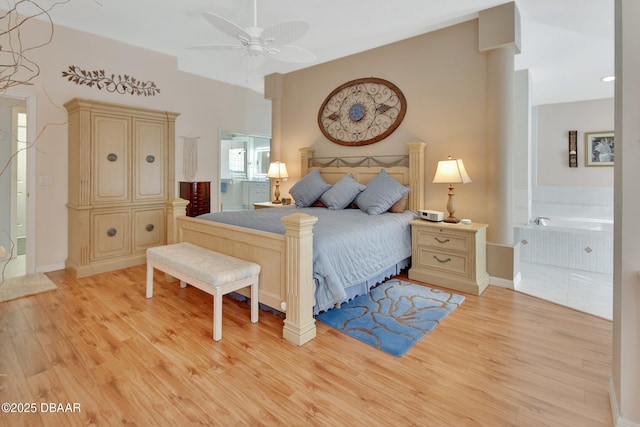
<point>416,174</point>
<point>305,154</point>
<point>175,208</point>
<point>299,325</point>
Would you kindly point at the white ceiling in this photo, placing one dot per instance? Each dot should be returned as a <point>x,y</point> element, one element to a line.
<point>568,45</point>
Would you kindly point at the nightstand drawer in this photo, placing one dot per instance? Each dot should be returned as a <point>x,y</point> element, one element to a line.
<point>448,262</point>
<point>449,255</point>
<point>442,240</point>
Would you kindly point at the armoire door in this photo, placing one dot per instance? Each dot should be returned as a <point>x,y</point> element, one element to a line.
<point>149,147</point>
<point>111,136</point>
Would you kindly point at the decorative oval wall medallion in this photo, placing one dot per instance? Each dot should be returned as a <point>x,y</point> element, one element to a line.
<point>362,111</point>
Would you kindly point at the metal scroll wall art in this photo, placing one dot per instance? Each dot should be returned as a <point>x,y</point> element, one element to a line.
<point>362,112</point>
<point>121,83</point>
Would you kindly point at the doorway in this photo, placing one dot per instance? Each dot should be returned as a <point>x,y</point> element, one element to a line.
<point>244,163</point>
<point>17,214</point>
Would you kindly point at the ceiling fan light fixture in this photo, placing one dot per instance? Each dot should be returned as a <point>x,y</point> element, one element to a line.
<point>274,41</point>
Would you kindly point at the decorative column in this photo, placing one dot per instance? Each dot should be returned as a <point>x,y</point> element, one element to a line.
<point>499,38</point>
<point>500,140</point>
<point>175,208</point>
<point>273,91</point>
<point>299,325</point>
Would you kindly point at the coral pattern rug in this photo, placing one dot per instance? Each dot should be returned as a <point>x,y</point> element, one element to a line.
<point>394,316</point>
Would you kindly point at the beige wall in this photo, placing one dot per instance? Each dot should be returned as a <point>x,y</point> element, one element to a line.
<point>554,123</point>
<point>443,77</point>
<point>205,105</point>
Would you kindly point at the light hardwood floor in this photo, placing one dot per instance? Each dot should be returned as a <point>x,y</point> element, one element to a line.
<point>502,359</point>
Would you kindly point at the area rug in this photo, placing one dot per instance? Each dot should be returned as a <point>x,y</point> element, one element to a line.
<point>30,284</point>
<point>394,316</point>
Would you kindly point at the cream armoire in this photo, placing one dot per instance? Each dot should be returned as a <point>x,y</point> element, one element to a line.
<point>121,172</point>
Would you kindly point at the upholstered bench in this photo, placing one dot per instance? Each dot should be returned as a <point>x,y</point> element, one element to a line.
<point>212,272</point>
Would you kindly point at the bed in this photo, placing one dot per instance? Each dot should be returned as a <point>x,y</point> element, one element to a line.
<point>285,247</point>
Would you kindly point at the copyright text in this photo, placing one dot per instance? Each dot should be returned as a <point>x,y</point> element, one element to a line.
<point>42,407</point>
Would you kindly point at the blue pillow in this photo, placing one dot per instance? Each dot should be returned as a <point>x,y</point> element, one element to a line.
<point>309,189</point>
<point>381,193</point>
<point>342,193</point>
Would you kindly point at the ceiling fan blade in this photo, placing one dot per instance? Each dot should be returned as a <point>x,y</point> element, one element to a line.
<point>226,26</point>
<point>290,53</point>
<point>285,33</point>
<point>216,47</point>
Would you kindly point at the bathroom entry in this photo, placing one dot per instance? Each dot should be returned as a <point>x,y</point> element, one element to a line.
<point>13,187</point>
<point>244,162</point>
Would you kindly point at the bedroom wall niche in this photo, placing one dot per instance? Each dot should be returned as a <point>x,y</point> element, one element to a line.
<point>445,88</point>
<point>244,163</point>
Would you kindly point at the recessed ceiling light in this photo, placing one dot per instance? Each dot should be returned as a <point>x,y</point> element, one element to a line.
<point>608,78</point>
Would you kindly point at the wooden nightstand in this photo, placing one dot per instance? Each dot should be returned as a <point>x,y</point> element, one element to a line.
<point>449,255</point>
<point>266,205</point>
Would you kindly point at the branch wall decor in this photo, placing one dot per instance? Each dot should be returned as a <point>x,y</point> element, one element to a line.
<point>121,83</point>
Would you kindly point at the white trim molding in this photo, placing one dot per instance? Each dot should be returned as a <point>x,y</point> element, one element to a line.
<point>505,283</point>
<point>618,421</point>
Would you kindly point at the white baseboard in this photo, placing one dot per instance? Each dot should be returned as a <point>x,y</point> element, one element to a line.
<point>505,283</point>
<point>618,421</point>
<point>50,267</point>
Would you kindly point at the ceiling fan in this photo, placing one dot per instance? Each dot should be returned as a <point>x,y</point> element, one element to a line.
<point>258,43</point>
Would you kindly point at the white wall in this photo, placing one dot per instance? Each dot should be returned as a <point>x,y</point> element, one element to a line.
<point>554,123</point>
<point>558,190</point>
<point>206,106</point>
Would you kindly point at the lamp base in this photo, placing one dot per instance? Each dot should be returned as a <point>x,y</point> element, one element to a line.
<point>276,202</point>
<point>451,219</point>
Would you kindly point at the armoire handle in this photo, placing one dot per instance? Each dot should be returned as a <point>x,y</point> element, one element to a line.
<point>112,232</point>
<point>112,157</point>
<point>151,159</point>
<point>149,227</point>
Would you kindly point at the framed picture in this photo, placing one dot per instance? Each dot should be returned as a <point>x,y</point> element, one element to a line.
<point>599,148</point>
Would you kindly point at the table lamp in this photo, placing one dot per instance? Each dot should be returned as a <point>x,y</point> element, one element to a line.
<point>451,171</point>
<point>277,171</point>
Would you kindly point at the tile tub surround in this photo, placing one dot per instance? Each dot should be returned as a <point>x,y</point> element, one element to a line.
<point>573,243</point>
<point>573,202</point>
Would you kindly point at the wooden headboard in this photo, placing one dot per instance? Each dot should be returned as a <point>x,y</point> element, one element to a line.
<point>407,169</point>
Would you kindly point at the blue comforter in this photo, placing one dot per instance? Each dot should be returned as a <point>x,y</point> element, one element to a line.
<point>350,247</point>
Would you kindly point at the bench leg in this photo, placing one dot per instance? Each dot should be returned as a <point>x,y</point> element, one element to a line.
<point>217,315</point>
<point>149,280</point>
<point>254,301</point>
<point>183,284</point>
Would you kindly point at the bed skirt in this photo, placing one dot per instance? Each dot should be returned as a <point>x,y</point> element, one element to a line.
<point>364,287</point>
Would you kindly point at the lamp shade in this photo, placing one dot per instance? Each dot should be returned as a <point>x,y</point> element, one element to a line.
<point>277,170</point>
<point>451,171</point>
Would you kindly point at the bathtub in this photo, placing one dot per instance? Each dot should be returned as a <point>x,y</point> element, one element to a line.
<point>575,243</point>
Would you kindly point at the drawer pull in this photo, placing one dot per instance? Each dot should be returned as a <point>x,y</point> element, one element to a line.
<point>441,241</point>
<point>149,227</point>
<point>150,158</point>
<point>112,157</point>
<point>442,261</point>
<point>112,232</point>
